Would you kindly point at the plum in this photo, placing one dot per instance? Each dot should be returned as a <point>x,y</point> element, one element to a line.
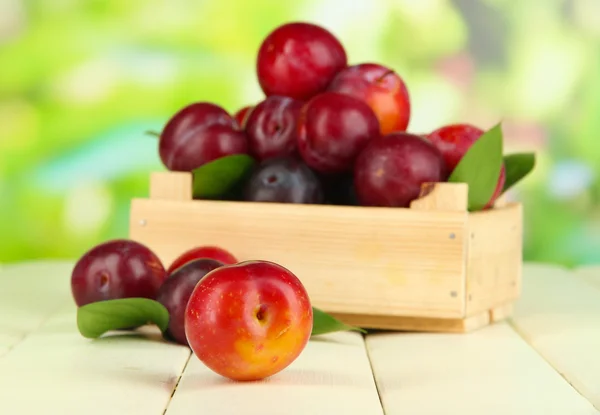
<point>176,290</point>
<point>380,87</point>
<point>116,269</point>
<point>454,141</point>
<point>271,127</point>
<point>283,180</point>
<point>204,251</point>
<point>298,60</point>
<point>249,321</point>
<point>391,169</point>
<point>197,134</point>
<point>333,128</point>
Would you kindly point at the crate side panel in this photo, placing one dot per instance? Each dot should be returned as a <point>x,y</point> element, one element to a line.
<point>368,261</point>
<point>494,258</point>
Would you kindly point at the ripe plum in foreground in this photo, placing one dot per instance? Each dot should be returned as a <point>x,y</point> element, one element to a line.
<point>248,321</point>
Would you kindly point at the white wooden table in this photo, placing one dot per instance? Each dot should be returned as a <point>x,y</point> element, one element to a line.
<point>545,360</point>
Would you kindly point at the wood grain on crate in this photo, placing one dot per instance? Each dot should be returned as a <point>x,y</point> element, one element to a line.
<point>447,325</point>
<point>371,261</point>
<point>494,257</point>
<point>559,316</point>
<point>332,376</point>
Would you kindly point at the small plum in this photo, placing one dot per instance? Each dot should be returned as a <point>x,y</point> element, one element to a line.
<point>116,269</point>
<point>197,134</point>
<point>271,127</point>
<point>391,169</point>
<point>283,180</point>
<point>248,321</point>
<point>333,128</point>
<point>176,290</point>
<point>204,251</point>
<point>298,60</point>
<point>380,87</point>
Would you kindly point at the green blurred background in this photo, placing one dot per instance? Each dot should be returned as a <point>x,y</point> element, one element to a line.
<point>82,80</point>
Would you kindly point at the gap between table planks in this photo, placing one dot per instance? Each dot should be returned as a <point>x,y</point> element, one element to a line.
<point>559,316</point>
<point>489,371</point>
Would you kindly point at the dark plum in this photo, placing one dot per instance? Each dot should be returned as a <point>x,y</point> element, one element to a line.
<point>197,134</point>
<point>204,251</point>
<point>175,293</point>
<point>283,180</point>
<point>299,60</point>
<point>333,128</point>
<point>391,169</point>
<point>116,269</point>
<point>271,127</point>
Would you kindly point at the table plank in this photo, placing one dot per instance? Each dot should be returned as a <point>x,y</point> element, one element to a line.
<point>559,316</point>
<point>29,293</point>
<point>490,371</point>
<point>590,274</point>
<point>331,376</point>
<point>54,370</point>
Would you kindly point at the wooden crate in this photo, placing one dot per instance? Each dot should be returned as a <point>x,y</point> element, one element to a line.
<point>433,267</point>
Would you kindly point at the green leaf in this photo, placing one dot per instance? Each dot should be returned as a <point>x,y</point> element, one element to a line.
<point>95,319</point>
<point>215,179</point>
<point>480,167</point>
<point>517,166</point>
<point>324,323</point>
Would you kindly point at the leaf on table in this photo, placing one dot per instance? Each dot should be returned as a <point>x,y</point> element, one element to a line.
<point>324,323</point>
<point>95,319</point>
<point>517,166</point>
<point>480,167</point>
<point>218,177</point>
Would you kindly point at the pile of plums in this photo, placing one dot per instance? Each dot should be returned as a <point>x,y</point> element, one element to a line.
<point>326,131</point>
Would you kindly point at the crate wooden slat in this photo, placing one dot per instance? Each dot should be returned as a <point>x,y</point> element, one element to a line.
<point>433,267</point>
<point>331,376</point>
<point>490,371</point>
<point>559,317</point>
<point>494,259</point>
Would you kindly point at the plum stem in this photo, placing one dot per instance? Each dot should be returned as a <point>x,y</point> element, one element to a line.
<point>153,133</point>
